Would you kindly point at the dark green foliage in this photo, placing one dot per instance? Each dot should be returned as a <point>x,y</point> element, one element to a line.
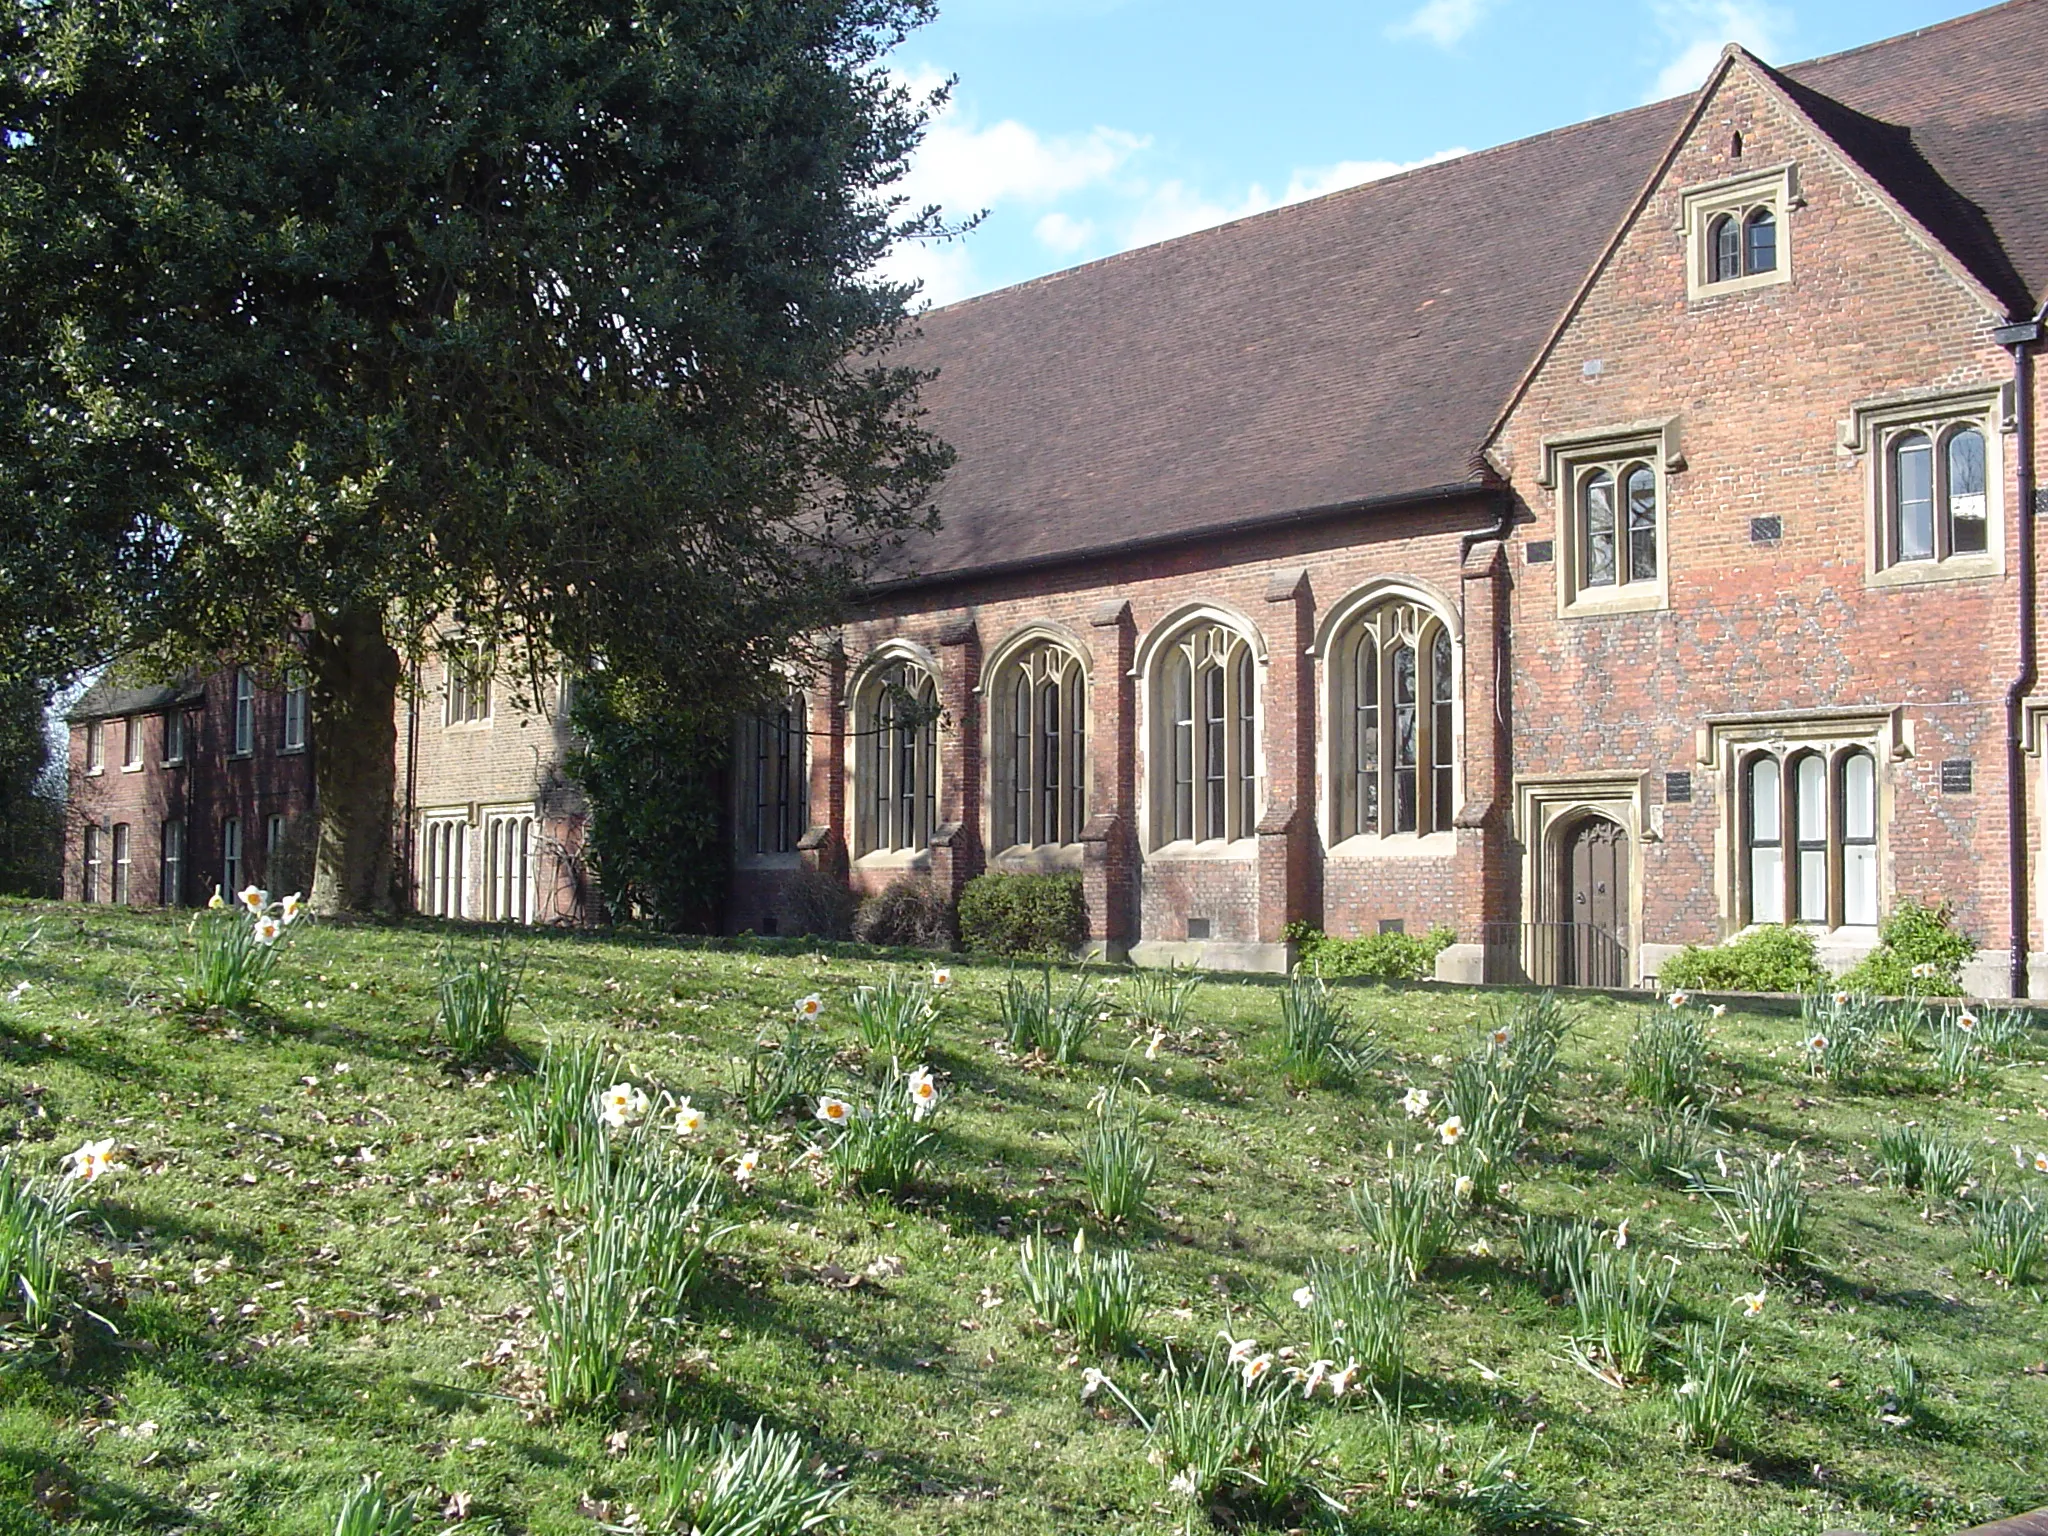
<point>31,803</point>
<point>1914,936</point>
<point>1386,956</point>
<point>654,778</point>
<point>549,318</point>
<point>911,914</point>
<point>1769,958</point>
<point>1031,915</point>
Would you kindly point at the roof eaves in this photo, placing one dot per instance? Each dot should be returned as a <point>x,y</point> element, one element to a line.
<point>1298,517</point>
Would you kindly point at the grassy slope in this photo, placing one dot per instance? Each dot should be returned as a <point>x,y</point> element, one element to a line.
<point>319,1226</point>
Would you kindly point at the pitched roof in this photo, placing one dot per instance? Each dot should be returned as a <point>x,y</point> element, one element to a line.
<point>1354,350</point>
<point>105,700</point>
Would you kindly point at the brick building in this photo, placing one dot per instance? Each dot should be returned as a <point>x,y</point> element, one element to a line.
<point>178,790</point>
<point>491,827</point>
<point>1595,544</point>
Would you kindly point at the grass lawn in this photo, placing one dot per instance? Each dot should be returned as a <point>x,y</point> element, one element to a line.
<point>317,1260</point>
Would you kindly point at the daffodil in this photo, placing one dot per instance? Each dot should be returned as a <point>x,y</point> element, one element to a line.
<point>1500,1037</point>
<point>621,1105</point>
<point>290,907</point>
<point>809,1007</point>
<point>746,1165</point>
<point>834,1111</point>
<point>1452,1131</point>
<point>90,1161</point>
<point>1152,1046</point>
<point>1841,999</point>
<point>1305,1296</point>
<point>1621,1234</point>
<point>1480,1248</point>
<point>2041,1162</point>
<point>1313,1376</point>
<point>924,1093</point>
<point>1462,1188</point>
<point>1091,1382</point>
<point>1256,1369</point>
<point>17,992</point>
<point>1242,1350</point>
<point>214,902</point>
<point>689,1118</point>
<point>254,897</point>
<point>267,929</point>
<point>1340,1383</point>
<point>941,978</point>
<point>1416,1102</point>
<point>1753,1303</point>
<point>1817,1043</point>
<point>1187,1484</point>
<point>1717,1009</point>
<point>1966,1022</point>
<point>1680,999</point>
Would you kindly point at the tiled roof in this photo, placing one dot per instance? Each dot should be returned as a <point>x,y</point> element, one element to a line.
<point>106,701</point>
<point>1354,350</point>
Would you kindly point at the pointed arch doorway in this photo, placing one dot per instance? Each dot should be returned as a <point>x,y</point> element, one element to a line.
<point>1592,938</point>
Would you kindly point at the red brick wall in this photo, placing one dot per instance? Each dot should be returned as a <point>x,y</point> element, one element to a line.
<point>1761,380</point>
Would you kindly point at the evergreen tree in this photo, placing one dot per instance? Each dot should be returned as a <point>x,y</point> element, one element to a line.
<point>554,320</point>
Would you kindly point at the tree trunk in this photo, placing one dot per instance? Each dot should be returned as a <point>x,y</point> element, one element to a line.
<point>355,673</point>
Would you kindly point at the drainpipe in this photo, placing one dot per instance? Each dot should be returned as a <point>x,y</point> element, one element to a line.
<point>2019,339</point>
<point>1503,525</point>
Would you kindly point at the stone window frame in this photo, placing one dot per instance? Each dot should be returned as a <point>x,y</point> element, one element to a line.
<point>1419,613</point>
<point>1207,638</point>
<point>1567,463</point>
<point>1055,805</point>
<point>91,859</point>
<point>443,885</point>
<point>1872,433</point>
<point>771,784</point>
<point>233,856</point>
<point>891,749</point>
<point>467,674</point>
<point>510,886</point>
<point>1727,745</point>
<point>1806,844</point>
<point>175,729</point>
<point>133,748</point>
<point>95,746</point>
<point>1772,189</point>
<point>121,863</point>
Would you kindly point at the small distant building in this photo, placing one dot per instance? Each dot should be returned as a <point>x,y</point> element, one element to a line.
<point>492,827</point>
<point>179,789</point>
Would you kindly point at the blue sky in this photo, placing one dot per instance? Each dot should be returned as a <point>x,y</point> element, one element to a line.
<point>1086,127</point>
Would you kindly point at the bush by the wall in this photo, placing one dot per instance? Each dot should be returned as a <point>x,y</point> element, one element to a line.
<point>1920,953</point>
<point>818,905</point>
<point>913,914</point>
<point>1014,914</point>
<point>1386,956</point>
<point>1769,958</point>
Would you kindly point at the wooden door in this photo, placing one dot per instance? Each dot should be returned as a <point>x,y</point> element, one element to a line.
<point>1595,938</point>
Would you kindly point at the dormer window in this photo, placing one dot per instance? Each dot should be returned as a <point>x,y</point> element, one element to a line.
<point>1734,232</point>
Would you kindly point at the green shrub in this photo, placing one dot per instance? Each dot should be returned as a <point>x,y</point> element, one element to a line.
<point>1770,958</point>
<point>1383,956</point>
<point>1037,915</point>
<point>1920,953</point>
<point>910,914</point>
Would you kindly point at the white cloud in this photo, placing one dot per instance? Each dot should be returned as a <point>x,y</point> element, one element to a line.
<point>965,167</point>
<point>1172,208</point>
<point>1443,22</point>
<point>1063,233</point>
<point>945,268</point>
<point>1700,28</point>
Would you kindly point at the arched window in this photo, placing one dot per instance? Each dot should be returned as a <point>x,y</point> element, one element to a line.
<point>1393,723</point>
<point>1617,547</point>
<point>774,780</point>
<point>896,776</point>
<point>1825,802</point>
<point>1039,768</point>
<point>1205,739</point>
<point>1912,496</point>
<point>1963,493</point>
<point>1764,814</point>
<point>1760,242</point>
<point>1724,247</point>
